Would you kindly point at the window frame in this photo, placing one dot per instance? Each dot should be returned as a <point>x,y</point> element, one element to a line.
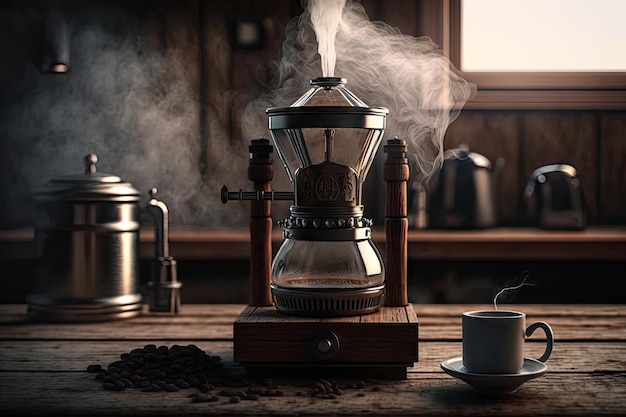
<point>532,90</point>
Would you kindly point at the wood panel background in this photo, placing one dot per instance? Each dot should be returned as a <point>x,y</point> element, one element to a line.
<point>194,38</point>
<point>594,142</point>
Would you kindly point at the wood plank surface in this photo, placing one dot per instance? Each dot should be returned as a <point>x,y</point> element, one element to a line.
<point>603,322</point>
<point>428,394</point>
<point>69,356</point>
<point>43,367</point>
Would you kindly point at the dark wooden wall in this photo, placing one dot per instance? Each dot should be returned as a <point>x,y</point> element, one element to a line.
<point>593,141</point>
<point>178,58</point>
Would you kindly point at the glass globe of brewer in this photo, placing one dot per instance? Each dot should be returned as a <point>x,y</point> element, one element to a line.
<point>327,141</point>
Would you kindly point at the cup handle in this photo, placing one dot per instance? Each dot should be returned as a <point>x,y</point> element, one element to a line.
<point>530,329</point>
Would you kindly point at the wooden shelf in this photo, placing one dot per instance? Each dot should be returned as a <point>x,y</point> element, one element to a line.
<point>497,244</point>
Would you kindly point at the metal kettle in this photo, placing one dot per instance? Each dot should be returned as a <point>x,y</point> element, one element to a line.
<point>87,236</point>
<point>553,198</point>
<point>462,195</point>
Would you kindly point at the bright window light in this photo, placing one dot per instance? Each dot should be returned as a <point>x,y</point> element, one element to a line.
<point>543,35</point>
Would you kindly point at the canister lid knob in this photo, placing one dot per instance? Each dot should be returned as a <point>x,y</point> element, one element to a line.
<point>90,163</point>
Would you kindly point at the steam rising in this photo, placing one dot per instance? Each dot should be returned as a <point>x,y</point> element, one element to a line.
<point>384,67</point>
<point>325,17</point>
<point>512,288</point>
<point>132,99</point>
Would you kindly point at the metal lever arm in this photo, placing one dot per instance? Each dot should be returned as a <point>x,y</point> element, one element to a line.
<point>258,195</point>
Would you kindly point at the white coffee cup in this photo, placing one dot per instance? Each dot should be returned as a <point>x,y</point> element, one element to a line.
<point>493,341</point>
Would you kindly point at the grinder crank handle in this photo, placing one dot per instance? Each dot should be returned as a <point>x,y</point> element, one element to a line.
<point>259,195</point>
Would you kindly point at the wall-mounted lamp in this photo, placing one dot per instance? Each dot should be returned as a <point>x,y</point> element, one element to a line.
<point>247,33</point>
<point>55,56</point>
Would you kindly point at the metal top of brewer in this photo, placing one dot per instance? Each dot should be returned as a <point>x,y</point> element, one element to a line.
<point>329,104</point>
<point>88,186</point>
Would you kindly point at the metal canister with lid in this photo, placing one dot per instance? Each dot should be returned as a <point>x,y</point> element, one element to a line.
<point>87,236</point>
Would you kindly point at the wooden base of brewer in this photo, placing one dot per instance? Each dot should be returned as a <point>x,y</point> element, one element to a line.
<point>378,345</point>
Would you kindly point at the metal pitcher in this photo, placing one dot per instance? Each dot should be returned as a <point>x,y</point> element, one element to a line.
<point>87,236</point>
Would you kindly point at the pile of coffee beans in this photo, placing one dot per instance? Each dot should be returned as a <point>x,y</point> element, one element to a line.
<point>162,368</point>
<point>176,367</point>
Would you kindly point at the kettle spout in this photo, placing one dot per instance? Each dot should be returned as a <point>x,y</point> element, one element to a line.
<point>160,213</point>
<point>163,288</point>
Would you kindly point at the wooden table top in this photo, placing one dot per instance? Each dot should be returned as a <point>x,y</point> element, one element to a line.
<point>43,368</point>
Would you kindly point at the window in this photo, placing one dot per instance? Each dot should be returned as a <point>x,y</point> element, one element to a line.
<point>568,54</point>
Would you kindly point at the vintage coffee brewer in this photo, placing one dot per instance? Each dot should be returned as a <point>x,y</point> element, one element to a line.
<point>327,265</point>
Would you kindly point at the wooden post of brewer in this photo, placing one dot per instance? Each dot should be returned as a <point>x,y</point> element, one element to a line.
<point>396,175</point>
<point>261,172</point>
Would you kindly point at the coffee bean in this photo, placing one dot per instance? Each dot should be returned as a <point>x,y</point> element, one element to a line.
<point>199,399</point>
<point>170,387</point>
<point>239,394</point>
<point>113,376</point>
<point>235,400</point>
<point>127,383</point>
<point>137,352</point>
<point>319,387</point>
<point>208,398</point>
<point>94,368</point>
<point>142,383</point>
<point>120,384</point>
<point>181,383</point>
<point>152,365</point>
<point>206,387</point>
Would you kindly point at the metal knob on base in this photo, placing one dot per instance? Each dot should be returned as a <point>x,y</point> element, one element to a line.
<point>325,345</point>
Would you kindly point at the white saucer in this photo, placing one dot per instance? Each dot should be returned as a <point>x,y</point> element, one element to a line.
<point>495,383</point>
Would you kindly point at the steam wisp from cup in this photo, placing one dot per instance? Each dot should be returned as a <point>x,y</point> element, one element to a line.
<point>523,283</point>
